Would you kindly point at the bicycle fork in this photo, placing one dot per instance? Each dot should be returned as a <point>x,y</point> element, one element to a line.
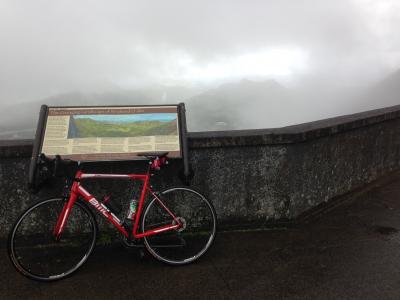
<point>65,212</point>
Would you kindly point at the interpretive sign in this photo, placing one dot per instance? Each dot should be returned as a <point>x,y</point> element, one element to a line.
<point>100,133</point>
<point>82,133</point>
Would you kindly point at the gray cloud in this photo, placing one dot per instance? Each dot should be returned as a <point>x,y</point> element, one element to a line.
<point>52,47</point>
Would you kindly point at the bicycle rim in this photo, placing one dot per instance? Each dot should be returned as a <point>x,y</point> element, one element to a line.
<point>34,251</point>
<point>186,244</point>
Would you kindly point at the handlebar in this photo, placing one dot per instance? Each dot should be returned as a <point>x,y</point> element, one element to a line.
<point>54,164</point>
<point>44,168</point>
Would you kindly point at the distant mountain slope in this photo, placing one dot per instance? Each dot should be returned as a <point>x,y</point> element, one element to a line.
<point>389,89</point>
<point>245,104</point>
<point>239,105</point>
<point>20,120</point>
<point>383,94</point>
<point>86,127</point>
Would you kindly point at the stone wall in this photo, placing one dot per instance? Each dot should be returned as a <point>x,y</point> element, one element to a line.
<point>253,177</point>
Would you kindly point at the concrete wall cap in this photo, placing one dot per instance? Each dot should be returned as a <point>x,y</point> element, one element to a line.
<point>292,134</point>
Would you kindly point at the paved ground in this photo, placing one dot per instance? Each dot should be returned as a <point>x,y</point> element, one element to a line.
<point>352,252</point>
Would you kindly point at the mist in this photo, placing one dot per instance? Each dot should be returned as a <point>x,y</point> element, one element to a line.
<point>236,64</point>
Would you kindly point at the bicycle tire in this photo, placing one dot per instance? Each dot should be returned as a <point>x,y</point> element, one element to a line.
<point>185,245</point>
<point>37,255</point>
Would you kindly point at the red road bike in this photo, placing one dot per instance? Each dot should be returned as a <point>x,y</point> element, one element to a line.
<point>54,237</point>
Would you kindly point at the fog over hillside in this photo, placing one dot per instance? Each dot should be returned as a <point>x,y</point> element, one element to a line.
<point>236,64</point>
<point>243,104</point>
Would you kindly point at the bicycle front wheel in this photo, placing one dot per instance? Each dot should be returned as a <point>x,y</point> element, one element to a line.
<point>36,253</point>
<point>193,239</point>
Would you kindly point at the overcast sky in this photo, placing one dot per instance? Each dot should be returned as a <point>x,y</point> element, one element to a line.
<point>52,47</point>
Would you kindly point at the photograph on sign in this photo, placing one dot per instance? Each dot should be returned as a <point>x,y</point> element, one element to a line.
<point>92,133</point>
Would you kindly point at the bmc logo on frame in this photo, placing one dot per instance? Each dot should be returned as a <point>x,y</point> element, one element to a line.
<point>99,207</point>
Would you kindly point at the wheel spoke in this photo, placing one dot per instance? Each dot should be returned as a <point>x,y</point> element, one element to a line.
<point>190,241</point>
<point>37,254</point>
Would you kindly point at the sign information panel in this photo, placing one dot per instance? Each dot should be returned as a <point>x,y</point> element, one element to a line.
<point>108,133</point>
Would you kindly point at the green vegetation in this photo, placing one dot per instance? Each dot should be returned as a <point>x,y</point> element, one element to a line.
<point>86,127</point>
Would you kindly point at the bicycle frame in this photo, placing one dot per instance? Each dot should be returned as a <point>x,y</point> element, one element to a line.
<point>78,191</point>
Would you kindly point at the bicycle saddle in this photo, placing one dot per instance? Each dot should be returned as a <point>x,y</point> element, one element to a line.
<point>153,155</point>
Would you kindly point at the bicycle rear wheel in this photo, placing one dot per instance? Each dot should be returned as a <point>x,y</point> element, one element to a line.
<point>186,244</point>
<point>33,249</point>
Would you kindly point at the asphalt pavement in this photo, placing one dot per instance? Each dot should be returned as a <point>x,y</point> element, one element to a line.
<point>350,252</point>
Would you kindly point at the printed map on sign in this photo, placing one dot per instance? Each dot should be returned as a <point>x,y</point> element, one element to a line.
<point>111,132</point>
